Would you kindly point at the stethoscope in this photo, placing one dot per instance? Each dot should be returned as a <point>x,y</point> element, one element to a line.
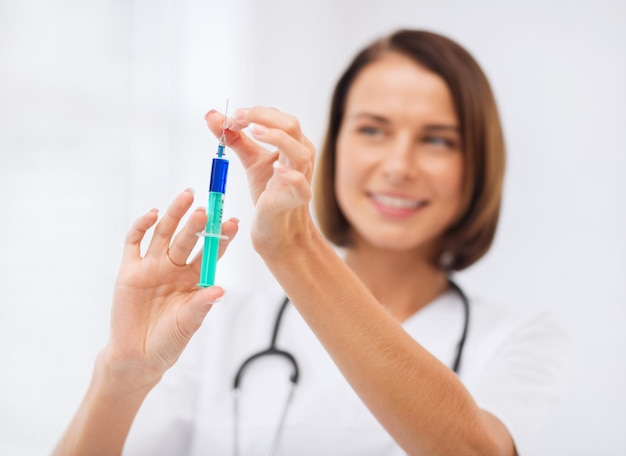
<point>272,350</point>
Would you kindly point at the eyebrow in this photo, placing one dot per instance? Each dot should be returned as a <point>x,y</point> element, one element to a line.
<point>375,117</point>
<point>385,120</point>
<point>437,127</point>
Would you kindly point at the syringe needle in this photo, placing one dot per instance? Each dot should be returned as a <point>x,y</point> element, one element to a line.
<point>223,136</point>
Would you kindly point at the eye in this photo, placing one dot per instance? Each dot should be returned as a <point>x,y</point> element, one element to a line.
<point>440,141</point>
<point>370,131</point>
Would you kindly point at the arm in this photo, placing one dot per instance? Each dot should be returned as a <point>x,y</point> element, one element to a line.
<point>104,417</point>
<point>157,307</point>
<point>420,402</point>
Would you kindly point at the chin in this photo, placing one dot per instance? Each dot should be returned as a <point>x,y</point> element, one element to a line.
<point>399,244</point>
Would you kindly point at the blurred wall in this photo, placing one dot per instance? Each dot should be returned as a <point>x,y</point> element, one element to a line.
<point>101,118</point>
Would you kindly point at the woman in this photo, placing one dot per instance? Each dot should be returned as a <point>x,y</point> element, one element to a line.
<point>409,185</point>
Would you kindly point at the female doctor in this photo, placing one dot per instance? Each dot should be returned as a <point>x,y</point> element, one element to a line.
<point>375,351</point>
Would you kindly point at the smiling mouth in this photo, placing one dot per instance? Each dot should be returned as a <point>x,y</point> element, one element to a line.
<point>395,202</point>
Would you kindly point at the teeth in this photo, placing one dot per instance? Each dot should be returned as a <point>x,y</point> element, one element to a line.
<point>397,203</point>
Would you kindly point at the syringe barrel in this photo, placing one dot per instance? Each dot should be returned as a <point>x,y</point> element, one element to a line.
<point>217,187</point>
<point>219,173</point>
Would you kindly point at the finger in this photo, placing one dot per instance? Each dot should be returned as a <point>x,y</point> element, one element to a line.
<point>293,152</point>
<point>184,242</point>
<point>298,183</point>
<point>191,314</point>
<point>166,227</point>
<point>281,130</point>
<point>248,150</point>
<point>132,243</point>
<point>271,118</point>
<point>229,229</point>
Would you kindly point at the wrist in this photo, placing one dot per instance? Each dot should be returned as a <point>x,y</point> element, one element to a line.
<point>105,415</point>
<point>117,378</point>
<point>299,234</point>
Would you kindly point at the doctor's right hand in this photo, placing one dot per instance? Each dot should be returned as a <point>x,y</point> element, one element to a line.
<point>157,305</point>
<point>278,159</point>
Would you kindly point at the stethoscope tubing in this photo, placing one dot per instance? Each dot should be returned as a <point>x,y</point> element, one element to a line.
<point>272,350</point>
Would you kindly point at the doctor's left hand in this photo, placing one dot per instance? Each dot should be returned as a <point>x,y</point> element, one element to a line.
<point>157,305</point>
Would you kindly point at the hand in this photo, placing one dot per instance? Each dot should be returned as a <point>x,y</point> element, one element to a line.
<point>157,306</point>
<point>280,180</point>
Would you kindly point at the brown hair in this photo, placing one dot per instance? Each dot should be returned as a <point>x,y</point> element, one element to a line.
<point>471,235</point>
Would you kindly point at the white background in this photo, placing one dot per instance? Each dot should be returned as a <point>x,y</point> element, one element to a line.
<point>101,118</point>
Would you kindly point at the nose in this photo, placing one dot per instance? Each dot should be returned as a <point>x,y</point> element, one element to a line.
<point>400,162</point>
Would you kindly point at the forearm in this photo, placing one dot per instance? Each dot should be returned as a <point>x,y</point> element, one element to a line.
<point>420,402</point>
<point>101,424</point>
<point>157,308</point>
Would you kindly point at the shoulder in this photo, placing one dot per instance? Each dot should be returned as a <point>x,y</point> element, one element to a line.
<point>515,366</point>
<point>497,318</point>
<point>504,340</point>
<point>496,328</point>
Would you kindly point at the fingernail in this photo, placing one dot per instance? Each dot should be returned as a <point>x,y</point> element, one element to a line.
<point>155,210</point>
<point>279,167</point>
<point>257,130</point>
<point>190,190</point>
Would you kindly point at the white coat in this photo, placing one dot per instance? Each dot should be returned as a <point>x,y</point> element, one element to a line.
<point>512,365</point>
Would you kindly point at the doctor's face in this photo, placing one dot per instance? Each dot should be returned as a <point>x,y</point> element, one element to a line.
<point>399,163</point>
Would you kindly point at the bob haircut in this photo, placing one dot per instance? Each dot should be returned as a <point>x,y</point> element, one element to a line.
<point>471,234</point>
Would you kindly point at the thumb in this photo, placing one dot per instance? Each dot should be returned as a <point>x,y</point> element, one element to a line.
<point>192,314</point>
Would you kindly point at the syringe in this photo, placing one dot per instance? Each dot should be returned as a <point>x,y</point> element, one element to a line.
<point>213,232</point>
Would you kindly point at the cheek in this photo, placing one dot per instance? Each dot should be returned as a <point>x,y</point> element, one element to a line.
<point>454,183</point>
<point>447,176</point>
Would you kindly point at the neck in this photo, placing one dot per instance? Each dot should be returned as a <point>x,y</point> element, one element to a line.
<point>402,282</point>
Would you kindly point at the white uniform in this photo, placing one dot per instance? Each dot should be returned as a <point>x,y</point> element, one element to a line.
<point>511,365</point>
